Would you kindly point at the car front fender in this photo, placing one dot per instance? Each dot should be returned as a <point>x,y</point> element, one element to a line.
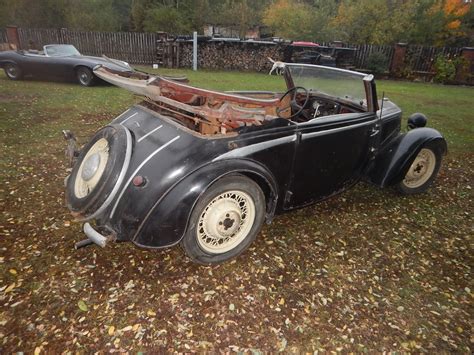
<point>167,221</point>
<point>394,160</point>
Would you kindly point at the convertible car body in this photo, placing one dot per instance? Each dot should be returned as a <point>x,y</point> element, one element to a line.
<point>56,61</point>
<point>206,169</point>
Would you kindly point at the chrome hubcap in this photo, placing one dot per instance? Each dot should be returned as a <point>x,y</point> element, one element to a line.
<point>91,166</point>
<point>421,169</point>
<point>83,77</point>
<point>225,222</point>
<point>12,72</point>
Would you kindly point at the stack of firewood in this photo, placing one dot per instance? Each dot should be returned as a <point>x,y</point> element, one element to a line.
<point>231,55</point>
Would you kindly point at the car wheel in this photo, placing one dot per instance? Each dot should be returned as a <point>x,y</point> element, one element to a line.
<point>85,76</point>
<point>98,170</point>
<point>225,220</point>
<point>13,71</point>
<point>422,171</point>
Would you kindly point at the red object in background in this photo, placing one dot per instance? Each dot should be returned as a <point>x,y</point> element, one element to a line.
<point>305,44</point>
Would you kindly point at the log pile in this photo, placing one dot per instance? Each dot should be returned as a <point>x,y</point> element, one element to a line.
<point>231,55</point>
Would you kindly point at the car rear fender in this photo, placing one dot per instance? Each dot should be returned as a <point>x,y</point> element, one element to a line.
<point>4,62</point>
<point>394,160</point>
<point>167,221</point>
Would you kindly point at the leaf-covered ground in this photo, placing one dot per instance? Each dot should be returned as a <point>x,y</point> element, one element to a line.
<point>365,271</point>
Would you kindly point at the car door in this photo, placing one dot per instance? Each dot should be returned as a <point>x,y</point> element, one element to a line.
<point>331,153</point>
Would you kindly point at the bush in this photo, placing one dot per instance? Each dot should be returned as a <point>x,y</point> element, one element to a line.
<point>446,68</point>
<point>377,63</point>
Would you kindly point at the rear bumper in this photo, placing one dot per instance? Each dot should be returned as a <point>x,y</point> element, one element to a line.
<point>94,237</point>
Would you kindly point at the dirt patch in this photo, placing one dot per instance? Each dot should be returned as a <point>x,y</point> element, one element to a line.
<point>8,98</point>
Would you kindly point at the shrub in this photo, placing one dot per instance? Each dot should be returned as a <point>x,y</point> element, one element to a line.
<point>377,63</point>
<point>446,68</point>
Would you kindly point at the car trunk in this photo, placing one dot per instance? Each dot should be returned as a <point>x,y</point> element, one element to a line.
<point>204,111</point>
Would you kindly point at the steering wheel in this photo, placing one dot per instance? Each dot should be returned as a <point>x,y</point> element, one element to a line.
<point>293,103</point>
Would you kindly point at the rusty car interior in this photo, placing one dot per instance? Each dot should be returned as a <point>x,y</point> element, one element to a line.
<point>221,113</point>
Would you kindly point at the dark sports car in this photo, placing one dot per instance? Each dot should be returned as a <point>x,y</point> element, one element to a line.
<point>56,61</point>
<point>206,169</point>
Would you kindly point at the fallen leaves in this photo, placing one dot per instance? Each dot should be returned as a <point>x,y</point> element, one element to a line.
<point>332,276</point>
<point>10,288</point>
<point>82,306</point>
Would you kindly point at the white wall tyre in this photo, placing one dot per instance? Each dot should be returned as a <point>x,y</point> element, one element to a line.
<point>422,171</point>
<point>225,220</point>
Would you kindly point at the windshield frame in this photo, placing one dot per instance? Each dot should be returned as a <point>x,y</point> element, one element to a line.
<point>48,46</point>
<point>365,79</point>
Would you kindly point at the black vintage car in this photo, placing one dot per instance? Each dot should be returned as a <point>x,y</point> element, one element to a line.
<point>56,61</point>
<point>206,169</point>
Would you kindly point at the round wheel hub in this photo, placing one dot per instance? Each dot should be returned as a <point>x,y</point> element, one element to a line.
<point>83,77</point>
<point>229,224</point>
<point>12,71</point>
<point>91,166</point>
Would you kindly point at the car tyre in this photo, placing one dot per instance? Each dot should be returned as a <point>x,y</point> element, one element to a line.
<point>13,71</point>
<point>95,172</point>
<point>85,77</point>
<point>422,172</point>
<point>225,220</point>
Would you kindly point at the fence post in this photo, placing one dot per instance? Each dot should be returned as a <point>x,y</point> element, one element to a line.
<point>464,74</point>
<point>398,58</point>
<point>195,50</point>
<point>62,35</point>
<point>12,36</point>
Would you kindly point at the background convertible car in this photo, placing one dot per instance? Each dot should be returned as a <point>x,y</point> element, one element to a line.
<point>56,61</point>
<point>206,169</point>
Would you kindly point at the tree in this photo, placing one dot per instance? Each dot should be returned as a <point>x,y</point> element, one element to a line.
<point>242,14</point>
<point>92,15</point>
<point>167,19</point>
<point>39,14</point>
<point>373,21</point>
<point>138,13</point>
<point>453,31</point>
<point>290,19</point>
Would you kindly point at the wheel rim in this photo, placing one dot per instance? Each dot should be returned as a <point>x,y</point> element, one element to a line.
<point>12,71</point>
<point>421,169</point>
<point>225,222</point>
<point>83,77</point>
<point>92,168</point>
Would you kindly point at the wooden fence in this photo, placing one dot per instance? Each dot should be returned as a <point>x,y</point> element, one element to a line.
<point>147,48</point>
<point>421,58</point>
<point>364,51</point>
<point>133,47</point>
